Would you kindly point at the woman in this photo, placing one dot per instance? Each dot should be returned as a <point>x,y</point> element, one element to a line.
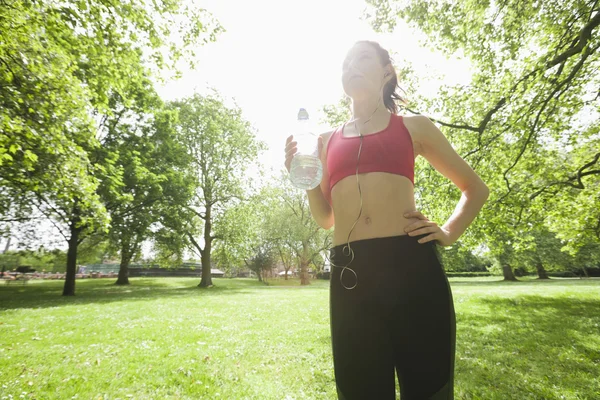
<point>391,306</point>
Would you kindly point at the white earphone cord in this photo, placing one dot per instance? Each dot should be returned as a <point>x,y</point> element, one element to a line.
<point>347,246</point>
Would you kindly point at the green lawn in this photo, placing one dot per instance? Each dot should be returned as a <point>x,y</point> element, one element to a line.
<point>164,338</point>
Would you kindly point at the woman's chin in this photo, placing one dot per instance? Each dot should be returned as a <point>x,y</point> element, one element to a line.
<point>358,94</point>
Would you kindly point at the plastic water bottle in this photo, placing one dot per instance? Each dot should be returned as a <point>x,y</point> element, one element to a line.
<point>306,169</point>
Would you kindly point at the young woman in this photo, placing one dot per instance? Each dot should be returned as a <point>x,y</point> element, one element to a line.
<point>391,306</point>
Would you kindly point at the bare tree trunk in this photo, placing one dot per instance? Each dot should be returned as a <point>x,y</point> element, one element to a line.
<point>304,274</point>
<point>541,271</point>
<point>286,265</point>
<point>508,273</point>
<point>69,287</point>
<point>304,280</point>
<point>206,280</point>
<point>123,278</point>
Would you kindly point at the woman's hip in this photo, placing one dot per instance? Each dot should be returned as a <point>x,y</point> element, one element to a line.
<point>393,268</point>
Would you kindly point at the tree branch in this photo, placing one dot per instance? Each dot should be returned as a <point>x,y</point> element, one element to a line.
<point>577,177</point>
<point>194,243</point>
<point>198,213</point>
<point>448,124</point>
<point>584,37</point>
<point>577,46</point>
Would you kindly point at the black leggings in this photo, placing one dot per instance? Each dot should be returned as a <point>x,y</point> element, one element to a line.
<point>400,317</point>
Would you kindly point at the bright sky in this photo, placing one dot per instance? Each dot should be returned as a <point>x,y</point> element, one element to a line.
<point>272,66</point>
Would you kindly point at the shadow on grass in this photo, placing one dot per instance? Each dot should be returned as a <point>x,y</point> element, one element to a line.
<point>535,281</point>
<point>540,345</point>
<point>43,294</point>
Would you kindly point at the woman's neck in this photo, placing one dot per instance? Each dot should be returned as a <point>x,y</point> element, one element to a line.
<point>363,110</point>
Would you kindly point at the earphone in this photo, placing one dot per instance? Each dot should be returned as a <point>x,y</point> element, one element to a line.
<point>347,246</point>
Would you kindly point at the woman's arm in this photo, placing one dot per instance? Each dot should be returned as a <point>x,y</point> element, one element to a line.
<point>318,198</point>
<point>439,153</point>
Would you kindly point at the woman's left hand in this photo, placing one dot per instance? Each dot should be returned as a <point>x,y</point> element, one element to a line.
<point>423,225</point>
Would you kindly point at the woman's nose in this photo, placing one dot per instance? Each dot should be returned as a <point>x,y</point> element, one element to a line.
<point>351,66</point>
<point>351,70</point>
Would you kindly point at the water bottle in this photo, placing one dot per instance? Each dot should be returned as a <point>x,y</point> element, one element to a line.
<point>306,169</point>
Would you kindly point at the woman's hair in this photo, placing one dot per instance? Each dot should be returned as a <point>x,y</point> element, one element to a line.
<point>390,94</point>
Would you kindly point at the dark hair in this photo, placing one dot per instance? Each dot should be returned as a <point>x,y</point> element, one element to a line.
<point>390,94</point>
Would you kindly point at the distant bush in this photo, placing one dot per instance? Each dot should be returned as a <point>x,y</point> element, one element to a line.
<point>323,275</point>
<point>450,274</point>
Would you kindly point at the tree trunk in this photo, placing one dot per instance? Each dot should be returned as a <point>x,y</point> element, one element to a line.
<point>206,280</point>
<point>304,280</point>
<point>585,272</point>
<point>123,278</point>
<point>304,274</point>
<point>286,266</point>
<point>126,254</point>
<point>69,287</point>
<point>508,273</point>
<point>541,271</point>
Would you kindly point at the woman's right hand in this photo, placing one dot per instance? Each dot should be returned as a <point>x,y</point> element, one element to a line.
<point>291,149</point>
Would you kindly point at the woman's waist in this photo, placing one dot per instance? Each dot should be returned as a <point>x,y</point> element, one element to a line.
<point>362,232</point>
<point>371,249</point>
<point>373,222</point>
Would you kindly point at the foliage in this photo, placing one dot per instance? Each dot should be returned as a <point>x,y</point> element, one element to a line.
<point>527,122</point>
<point>141,142</point>
<point>60,63</point>
<point>289,226</point>
<point>262,261</point>
<point>222,148</point>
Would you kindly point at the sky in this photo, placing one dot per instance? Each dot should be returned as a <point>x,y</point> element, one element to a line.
<point>278,56</point>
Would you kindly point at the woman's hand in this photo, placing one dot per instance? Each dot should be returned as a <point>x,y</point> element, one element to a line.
<point>423,225</point>
<point>291,149</point>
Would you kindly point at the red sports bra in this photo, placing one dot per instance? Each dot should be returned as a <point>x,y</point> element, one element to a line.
<point>390,150</point>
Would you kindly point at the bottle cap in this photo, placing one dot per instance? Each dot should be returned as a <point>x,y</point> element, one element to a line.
<point>302,114</point>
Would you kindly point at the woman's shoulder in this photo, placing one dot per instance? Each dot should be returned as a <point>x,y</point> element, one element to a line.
<point>330,131</point>
<point>414,125</point>
<point>326,139</point>
<point>414,118</point>
<point>327,135</point>
<point>411,122</point>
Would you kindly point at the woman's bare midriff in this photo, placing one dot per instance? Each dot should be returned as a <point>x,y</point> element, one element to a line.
<point>385,199</point>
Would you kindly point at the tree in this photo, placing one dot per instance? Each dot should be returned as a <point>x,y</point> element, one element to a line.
<point>60,66</point>
<point>263,260</point>
<point>291,229</point>
<point>155,178</point>
<point>221,145</point>
<point>528,120</point>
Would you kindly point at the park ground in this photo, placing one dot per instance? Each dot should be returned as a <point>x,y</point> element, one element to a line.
<point>165,338</point>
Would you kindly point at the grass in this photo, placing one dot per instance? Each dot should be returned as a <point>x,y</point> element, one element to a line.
<point>164,338</point>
